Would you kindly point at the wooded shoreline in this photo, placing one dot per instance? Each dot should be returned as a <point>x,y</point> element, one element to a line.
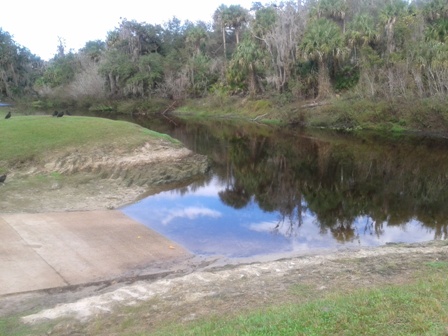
<point>342,64</point>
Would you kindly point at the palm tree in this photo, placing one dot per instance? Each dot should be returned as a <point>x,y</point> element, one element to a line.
<point>243,67</point>
<point>265,18</point>
<point>388,17</point>
<point>198,67</point>
<point>237,16</point>
<point>322,40</point>
<point>232,17</point>
<point>221,19</point>
<point>195,37</point>
<point>436,10</point>
<point>361,33</point>
<point>334,9</point>
<point>438,31</point>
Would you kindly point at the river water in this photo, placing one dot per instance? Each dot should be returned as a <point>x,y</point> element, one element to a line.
<point>280,190</point>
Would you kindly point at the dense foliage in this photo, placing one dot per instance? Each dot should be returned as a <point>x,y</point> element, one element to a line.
<point>19,68</point>
<point>375,49</point>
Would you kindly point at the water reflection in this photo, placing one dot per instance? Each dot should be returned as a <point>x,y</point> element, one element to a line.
<point>199,220</point>
<point>274,190</point>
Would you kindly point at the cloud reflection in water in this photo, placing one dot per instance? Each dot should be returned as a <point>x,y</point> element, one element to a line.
<point>190,213</point>
<point>198,220</point>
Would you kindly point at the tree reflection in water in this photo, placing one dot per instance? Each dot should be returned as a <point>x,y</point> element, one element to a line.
<point>340,178</point>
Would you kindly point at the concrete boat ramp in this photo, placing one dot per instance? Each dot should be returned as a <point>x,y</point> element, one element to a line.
<point>48,250</point>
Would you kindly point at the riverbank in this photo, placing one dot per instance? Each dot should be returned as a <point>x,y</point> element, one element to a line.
<point>427,116</point>
<point>200,290</point>
<point>216,298</point>
<point>57,167</point>
<point>81,163</point>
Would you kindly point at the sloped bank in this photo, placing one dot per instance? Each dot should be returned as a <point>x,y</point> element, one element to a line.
<point>99,178</point>
<point>150,164</point>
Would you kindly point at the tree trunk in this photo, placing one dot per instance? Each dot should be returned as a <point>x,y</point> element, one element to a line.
<point>225,51</point>
<point>6,85</point>
<point>253,87</point>
<point>389,28</point>
<point>324,86</point>
<point>418,82</point>
<point>224,42</point>
<point>14,75</point>
<point>112,84</point>
<point>391,82</point>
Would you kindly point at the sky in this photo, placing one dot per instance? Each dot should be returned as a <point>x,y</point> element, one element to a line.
<point>37,25</point>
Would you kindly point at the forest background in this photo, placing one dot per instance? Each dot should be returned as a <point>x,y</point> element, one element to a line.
<point>336,63</point>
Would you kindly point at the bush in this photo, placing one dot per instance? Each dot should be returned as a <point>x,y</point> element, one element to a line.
<point>346,78</point>
<point>261,105</point>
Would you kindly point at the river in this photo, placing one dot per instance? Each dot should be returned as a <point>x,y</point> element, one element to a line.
<point>274,190</point>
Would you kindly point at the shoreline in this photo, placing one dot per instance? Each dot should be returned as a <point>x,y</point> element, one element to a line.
<point>86,301</point>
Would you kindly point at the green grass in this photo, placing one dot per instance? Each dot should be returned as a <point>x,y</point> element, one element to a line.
<point>442,265</point>
<point>417,309</point>
<point>13,326</point>
<point>32,137</point>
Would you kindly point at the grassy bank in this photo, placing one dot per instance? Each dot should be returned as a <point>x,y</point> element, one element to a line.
<point>340,112</point>
<point>414,307</point>
<point>424,115</point>
<point>417,309</point>
<point>98,106</point>
<point>406,115</point>
<point>28,138</point>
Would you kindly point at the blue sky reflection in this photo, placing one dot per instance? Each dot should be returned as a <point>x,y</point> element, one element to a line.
<point>200,222</point>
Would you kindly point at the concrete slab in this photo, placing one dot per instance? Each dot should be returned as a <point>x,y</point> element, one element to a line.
<point>21,268</point>
<point>47,250</point>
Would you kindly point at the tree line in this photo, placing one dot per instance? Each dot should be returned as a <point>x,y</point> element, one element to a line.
<point>313,49</point>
